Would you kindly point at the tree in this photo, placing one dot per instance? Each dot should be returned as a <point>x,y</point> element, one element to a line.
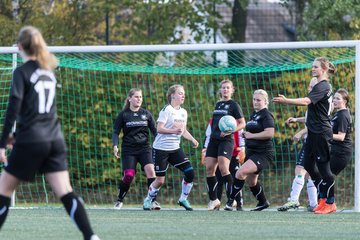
<point>326,20</point>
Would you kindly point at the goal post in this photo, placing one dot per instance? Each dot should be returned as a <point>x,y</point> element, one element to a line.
<point>93,82</point>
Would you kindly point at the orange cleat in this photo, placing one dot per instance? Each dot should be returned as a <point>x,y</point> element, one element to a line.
<point>328,208</point>
<point>321,204</point>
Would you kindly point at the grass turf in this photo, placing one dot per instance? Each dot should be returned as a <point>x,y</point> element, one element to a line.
<point>54,223</point>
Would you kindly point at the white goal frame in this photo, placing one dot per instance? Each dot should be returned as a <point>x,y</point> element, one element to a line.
<point>240,46</point>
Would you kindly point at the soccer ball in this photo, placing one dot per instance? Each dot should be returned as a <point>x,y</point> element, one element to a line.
<point>227,123</point>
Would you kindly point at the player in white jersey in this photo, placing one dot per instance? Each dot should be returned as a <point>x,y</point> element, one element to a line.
<point>171,125</point>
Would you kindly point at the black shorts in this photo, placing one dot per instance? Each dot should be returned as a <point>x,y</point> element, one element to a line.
<point>261,159</point>
<point>300,160</point>
<point>27,159</point>
<point>339,159</point>
<point>129,161</point>
<point>218,148</point>
<point>317,147</point>
<point>176,158</point>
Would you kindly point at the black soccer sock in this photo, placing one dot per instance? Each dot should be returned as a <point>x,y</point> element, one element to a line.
<point>4,208</point>
<point>258,193</point>
<point>219,188</point>
<point>212,185</point>
<point>75,208</point>
<point>149,181</point>
<point>236,188</point>
<point>228,181</point>
<point>328,191</point>
<point>123,189</point>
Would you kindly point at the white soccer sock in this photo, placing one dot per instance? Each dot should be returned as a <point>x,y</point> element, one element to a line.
<point>297,186</point>
<point>152,192</point>
<point>186,188</point>
<point>312,193</point>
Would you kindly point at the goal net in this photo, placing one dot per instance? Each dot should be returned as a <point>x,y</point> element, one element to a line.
<point>93,83</point>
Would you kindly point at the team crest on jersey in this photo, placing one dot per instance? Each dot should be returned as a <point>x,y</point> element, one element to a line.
<point>257,118</point>
<point>227,106</point>
<point>143,117</point>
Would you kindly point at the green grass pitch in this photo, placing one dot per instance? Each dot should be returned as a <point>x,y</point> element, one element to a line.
<point>54,223</point>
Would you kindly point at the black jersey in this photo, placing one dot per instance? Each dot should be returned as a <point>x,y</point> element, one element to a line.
<point>258,122</point>
<point>341,122</point>
<point>318,118</point>
<point>223,108</point>
<point>135,126</point>
<point>32,105</point>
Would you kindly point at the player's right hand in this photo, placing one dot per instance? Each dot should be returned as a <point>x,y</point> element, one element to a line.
<point>116,152</point>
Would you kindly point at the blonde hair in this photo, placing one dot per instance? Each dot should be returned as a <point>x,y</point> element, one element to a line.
<point>34,45</point>
<point>130,94</point>
<point>172,90</point>
<point>264,94</point>
<point>223,82</point>
<point>326,65</point>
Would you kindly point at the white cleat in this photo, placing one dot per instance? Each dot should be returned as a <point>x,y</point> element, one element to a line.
<point>155,206</point>
<point>94,237</point>
<point>118,205</point>
<point>214,205</point>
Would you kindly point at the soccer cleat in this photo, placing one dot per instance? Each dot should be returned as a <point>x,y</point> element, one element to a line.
<point>261,206</point>
<point>214,205</point>
<point>289,205</point>
<point>321,204</point>
<point>155,206</point>
<point>147,205</point>
<point>185,203</point>
<point>327,208</point>
<point>311,209</point>
<point>118,205</point>
<point>94,237</point>
<point>228,207</point>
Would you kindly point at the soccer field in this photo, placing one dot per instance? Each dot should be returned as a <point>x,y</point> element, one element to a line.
<point>54,223</point>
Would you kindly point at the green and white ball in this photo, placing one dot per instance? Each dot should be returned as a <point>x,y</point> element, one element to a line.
<point>227,123</point>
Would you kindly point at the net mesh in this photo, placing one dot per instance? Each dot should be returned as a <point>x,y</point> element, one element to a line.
<point>92,87</point>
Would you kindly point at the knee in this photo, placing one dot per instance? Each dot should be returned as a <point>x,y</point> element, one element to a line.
<point>129,175</point>
<point>240,175</point>
<point>189,175</point>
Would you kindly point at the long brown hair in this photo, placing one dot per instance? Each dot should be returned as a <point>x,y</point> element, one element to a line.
<point>130,94</point>
<point>34,45</point>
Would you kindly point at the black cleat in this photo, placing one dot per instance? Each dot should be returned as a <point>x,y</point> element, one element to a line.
<point>261,206</point>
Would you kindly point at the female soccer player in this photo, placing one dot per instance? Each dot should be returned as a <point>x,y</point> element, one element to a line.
<point>341,145</point>
<point>237,159</point>
<point>135,148</point>
<point>39,145</point>
<point>258,136</point>
<point>317,146</point>
<point>171,125</point>
<point>220,148</point>
<point>300,172</point>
